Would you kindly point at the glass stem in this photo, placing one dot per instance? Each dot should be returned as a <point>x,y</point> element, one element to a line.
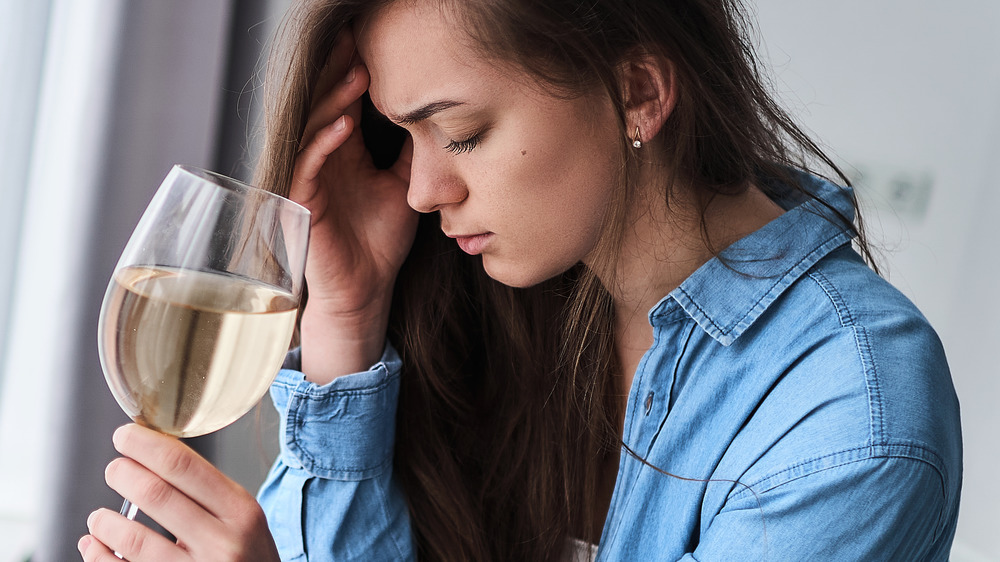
<point>129,510</point>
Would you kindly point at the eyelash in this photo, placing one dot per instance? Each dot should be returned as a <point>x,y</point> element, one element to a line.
<point>458,147</point>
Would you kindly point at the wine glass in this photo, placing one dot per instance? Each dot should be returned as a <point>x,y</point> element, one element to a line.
<point>201,307</point>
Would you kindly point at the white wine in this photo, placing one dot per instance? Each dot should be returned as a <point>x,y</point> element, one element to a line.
<point>188,352</point>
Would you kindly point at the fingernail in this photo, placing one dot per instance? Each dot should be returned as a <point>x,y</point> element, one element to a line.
<point>340,123</point>
<point>351,74</point>
<point>83,543</point>
<point>90,520</point>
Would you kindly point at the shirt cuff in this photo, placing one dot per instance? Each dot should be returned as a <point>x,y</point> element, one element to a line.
<point>343,430</point>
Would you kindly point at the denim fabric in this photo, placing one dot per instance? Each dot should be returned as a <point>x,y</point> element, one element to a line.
<point>330,494</point>
<point>801,407</point>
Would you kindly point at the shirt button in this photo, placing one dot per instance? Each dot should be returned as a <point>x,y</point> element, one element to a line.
<point>649,402</point>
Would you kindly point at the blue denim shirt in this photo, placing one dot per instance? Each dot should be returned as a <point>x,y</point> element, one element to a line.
<point>803,406</point>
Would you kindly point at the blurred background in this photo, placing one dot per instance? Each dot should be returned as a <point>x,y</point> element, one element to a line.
<point>98,98</point>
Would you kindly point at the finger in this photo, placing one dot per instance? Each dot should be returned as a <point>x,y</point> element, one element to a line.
<point>354,149</point>
<point>92,550</point>
<point>344,97</point>
<point>179,466</point>
<point>112,532</point>
<point>162,502</point>
<point>313,157</point>
<point>342,56</point>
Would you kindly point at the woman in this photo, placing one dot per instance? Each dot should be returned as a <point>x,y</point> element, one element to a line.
<point>627,321</point>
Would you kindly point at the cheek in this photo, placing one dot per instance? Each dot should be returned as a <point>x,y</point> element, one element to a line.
<point>546,188</point>
<point>571,181</point>
<point>558,164</point>
<point>551,209</point>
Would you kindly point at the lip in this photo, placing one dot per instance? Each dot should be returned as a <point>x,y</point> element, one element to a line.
<point>472,244</point>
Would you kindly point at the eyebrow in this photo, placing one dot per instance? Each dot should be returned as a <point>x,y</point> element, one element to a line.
<point>426,111</point>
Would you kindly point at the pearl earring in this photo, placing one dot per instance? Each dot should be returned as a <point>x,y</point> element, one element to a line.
<point>635,139</point>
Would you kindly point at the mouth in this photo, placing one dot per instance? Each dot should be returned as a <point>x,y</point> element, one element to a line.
<point>472,244</point>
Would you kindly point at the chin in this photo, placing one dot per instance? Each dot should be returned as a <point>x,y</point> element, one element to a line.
<point>519,275</point>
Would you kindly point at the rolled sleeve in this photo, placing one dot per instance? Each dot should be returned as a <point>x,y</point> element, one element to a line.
<point>331,494</point>
<point>343,430</point>
<point>856,506</point>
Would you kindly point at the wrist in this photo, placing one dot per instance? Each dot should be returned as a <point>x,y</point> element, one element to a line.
<point>335,344</point>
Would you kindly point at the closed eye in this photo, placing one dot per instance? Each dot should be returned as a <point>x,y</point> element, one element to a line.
<point>460,146</point>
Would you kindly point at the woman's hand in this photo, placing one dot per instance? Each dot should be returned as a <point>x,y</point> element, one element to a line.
<point>362,227</point>
<point>213,518</point>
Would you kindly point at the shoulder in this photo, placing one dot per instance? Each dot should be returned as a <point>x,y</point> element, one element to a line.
<point>857,373</point>
<point>843,324</point>
<point>855,398</point>
<point>878,337</point>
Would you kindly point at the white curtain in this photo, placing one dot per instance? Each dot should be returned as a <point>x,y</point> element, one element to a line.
<point>127,88</point>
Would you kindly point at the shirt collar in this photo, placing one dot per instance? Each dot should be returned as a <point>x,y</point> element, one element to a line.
<point>725,296</point>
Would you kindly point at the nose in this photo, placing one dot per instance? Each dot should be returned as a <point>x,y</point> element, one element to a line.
<point>433,183</point>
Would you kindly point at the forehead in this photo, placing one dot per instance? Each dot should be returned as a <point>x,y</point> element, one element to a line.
<point>417,53</point>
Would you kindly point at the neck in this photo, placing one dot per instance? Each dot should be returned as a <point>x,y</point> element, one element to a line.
<point>664,245</point>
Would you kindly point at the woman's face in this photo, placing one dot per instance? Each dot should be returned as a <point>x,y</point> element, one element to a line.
<point>518,175</point>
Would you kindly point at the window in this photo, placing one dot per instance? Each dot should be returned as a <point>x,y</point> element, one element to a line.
<point>23,27</point>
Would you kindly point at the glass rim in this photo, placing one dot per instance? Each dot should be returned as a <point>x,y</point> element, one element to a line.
<point>232,184</point>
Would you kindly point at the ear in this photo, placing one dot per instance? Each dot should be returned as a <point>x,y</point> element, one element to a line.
<point>649,85</point>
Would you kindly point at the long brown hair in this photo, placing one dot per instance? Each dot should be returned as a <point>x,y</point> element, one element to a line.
<point>509,400</point>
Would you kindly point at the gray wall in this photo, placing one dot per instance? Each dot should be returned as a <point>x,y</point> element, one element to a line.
<point>908,92</point>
